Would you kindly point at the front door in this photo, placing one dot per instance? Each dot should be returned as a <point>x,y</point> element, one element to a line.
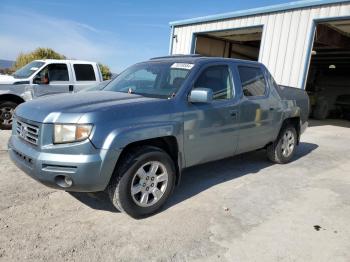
<point>52,79</point>
<point>211,130</point>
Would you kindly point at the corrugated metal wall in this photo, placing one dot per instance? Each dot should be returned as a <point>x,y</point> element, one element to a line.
<point>284,47</point>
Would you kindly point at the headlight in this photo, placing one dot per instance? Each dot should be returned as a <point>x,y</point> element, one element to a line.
<point>71,133</point>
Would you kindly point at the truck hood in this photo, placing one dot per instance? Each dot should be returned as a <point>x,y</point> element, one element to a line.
<point>69,108</point>
<point>7,79</point>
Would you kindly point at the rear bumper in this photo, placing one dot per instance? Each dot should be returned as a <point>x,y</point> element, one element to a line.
<point>89,172</point>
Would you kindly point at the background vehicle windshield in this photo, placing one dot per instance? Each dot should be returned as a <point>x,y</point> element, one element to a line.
<point>153,79</point>
<point>28,69</point>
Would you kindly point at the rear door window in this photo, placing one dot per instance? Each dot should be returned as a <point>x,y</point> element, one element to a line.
<point>84,72</point>
<point>253,81</point>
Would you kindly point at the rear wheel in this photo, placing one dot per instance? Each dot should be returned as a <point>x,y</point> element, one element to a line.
<point>143,182</point>
<point>7,110</point>
<point>282,150</point>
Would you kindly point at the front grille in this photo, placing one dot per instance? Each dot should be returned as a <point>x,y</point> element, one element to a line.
<point>27,132</point>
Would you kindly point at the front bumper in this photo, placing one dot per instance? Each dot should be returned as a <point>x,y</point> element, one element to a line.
<point>89,171</point>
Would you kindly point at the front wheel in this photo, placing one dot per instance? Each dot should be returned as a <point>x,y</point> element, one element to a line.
<point>282,150</point>
<point>7,110</point>
<point>143,182</point>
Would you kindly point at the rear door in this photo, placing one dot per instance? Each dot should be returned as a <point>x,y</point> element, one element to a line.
<point>85,75</point>
<point>211,129</point>
<point>256,113</point>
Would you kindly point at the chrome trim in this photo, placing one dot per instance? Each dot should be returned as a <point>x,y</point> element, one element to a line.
<point>28,132</point>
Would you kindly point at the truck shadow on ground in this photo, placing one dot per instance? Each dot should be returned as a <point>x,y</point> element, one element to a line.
<point>329,122</point>
<point>199,178</point>
<point>98,200</point>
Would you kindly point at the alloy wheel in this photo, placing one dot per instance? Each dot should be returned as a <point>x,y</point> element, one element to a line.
<point>288,143</point>
<point>149,184</point>
<point>6,115</point>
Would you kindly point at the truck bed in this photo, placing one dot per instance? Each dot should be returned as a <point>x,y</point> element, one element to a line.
<point>300,97</point>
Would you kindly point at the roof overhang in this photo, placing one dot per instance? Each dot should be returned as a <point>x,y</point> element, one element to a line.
<point>256,11</point>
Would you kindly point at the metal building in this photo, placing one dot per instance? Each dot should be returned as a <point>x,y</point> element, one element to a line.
<point>288,38</point>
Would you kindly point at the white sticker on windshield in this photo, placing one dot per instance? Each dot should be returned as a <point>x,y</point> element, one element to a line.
<point>182,66</point>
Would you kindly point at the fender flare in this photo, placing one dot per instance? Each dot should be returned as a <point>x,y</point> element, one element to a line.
<point>120,138</point>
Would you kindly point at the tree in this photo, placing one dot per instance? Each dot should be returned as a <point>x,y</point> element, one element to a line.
<point>39,53</point>
<point>105,71</point>
<point>6,71</point>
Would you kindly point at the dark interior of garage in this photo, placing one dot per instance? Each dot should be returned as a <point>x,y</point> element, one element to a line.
<point>242,43</point>
<point>328,82</point>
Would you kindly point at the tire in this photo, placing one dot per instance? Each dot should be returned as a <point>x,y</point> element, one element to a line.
<point>282,150</point>
<point>135,171</point>
<point>7,110</point>
<point>321,110</point>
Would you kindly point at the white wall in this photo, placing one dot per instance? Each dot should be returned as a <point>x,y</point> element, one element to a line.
<point>284,46</point>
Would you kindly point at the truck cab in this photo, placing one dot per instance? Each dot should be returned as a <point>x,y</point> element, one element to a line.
<point>41,78</point>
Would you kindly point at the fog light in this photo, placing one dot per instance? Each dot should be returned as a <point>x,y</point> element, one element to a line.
<point>68,181</point>
<point>64,181</point>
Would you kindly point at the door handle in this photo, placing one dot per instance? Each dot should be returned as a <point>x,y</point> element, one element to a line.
<point>233,113</point>
<point>71,88</point>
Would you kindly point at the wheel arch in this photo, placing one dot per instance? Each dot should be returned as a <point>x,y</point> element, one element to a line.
<point>11,98</point>
<point>295,122</point>
<point>167,143</point>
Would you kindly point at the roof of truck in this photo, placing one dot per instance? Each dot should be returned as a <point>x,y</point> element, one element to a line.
<point>66,60</point>
<point>194,58</point>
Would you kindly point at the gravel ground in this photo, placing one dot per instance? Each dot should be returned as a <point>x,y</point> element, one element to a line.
<point>238,209</point>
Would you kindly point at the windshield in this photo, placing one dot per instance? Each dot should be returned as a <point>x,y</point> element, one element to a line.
<point>28,69</point>
<point>153,79</point>
<point>96,87</point>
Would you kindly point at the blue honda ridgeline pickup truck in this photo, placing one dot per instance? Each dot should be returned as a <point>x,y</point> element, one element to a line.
<point>135,136</point>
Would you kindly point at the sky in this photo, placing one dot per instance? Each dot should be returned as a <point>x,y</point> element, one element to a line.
<point>115,33</point>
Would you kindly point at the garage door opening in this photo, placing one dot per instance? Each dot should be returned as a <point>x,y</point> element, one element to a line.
<point>235,43</point>
<point>328,82</point>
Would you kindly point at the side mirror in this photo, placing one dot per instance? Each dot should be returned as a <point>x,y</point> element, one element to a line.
<point>201,95</point>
